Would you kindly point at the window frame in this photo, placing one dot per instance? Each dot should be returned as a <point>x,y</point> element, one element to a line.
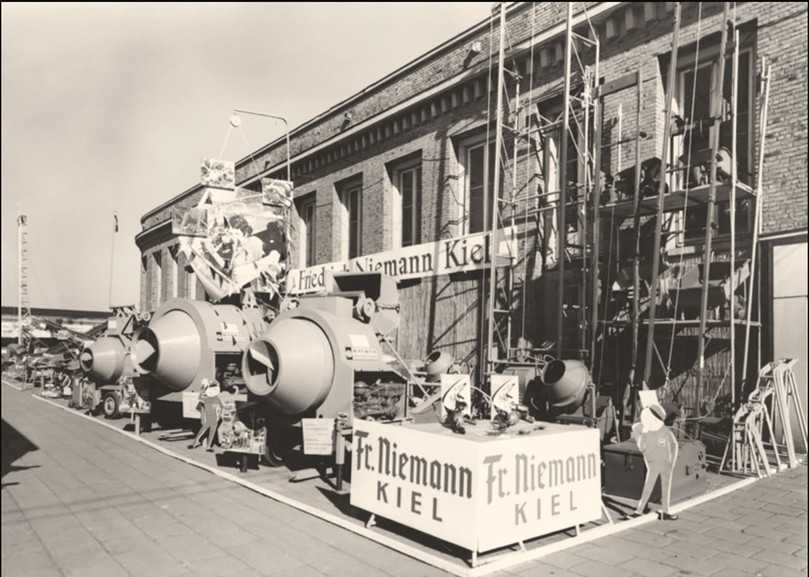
<point>307,230</point>
<point>465,149</point>
<point>710,58</point>
<point>397,173</point>
<point>346,190</point>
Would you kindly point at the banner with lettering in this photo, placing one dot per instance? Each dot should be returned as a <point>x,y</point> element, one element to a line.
<point>480,490</point>
<point>447,256</point>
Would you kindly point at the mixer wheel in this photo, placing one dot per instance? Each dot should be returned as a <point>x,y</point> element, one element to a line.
<point>109,405</point>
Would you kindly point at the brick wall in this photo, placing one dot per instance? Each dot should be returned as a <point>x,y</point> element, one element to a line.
<point>433,128</point>
<point>782,40</point>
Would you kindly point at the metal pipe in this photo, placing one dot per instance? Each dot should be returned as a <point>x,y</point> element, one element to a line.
<point>620,141</point>
<point>498,142</point>
<point>596,200</point>
<point>636,259</point>
<point>584,170</point>
<point>672,74</point>
<point>757,221</point>
<point>286,133</point>
<point>734,177</point>
<point>709,217</point>
<point>561,220</point>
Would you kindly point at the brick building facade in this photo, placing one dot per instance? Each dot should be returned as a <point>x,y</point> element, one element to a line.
<point>399,163</point>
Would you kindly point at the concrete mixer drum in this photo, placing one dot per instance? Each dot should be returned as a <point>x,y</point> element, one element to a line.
<point>103,360</point>
<point>555,387</point>
<point>319,360</point>
<point>188,340</point>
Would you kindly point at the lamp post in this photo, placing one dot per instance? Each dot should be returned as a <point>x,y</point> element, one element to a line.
<point>286,128</point>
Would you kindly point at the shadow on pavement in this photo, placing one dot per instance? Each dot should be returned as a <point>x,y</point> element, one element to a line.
<point>14,446</point>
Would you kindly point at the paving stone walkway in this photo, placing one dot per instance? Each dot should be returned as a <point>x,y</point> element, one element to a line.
<point>79,499</point>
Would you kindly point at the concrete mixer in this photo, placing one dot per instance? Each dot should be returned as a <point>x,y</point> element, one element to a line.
<point>185,342</point>
<point>550,387</point>
<point>108,367</point>
<point>325,357</point>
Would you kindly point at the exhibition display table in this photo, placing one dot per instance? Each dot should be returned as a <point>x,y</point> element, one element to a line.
<point>481,490</point>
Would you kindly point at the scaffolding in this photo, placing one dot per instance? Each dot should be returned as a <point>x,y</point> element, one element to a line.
<point>658,193</point>
<point>23,297</point>
<point>676,194</point>
<point>578,129</point>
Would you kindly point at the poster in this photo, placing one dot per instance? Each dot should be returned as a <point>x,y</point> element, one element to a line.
<point>318,436</point>
<point>190,401</point>
<point>505,393</point>
<point>235,239</point>
<point>218,173</point>
<point>477,491</point>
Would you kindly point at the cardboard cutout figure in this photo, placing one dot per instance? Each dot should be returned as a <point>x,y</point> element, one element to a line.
<point>659,447</point>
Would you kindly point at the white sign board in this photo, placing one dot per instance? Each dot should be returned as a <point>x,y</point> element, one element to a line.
<point>190,401</point>
<point>478,491</point>
<point>361,348</point>
<point>505,393</point>
<point>456,388</point>
<point>454,255</point>
<point>318,436</point>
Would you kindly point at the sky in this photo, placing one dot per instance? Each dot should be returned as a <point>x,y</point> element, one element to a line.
<point>111,107</point>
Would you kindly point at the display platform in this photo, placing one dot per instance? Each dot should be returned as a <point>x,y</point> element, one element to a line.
<point>319,497</point>
<point>481,490</point>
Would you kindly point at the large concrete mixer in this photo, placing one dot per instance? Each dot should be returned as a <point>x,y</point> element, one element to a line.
<point>187,341</point>
<point>325,357</point>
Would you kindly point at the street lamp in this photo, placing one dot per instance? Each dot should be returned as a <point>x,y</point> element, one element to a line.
<point>234,121</point>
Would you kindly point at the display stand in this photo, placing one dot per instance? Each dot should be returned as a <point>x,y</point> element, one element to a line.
<point>136,416</point>
<point>786,404</point>
<point>483,490</point>
<point>242,451</point>
<point>243,456</point>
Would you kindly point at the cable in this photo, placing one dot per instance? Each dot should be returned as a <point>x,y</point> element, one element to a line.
<point>226,141</point>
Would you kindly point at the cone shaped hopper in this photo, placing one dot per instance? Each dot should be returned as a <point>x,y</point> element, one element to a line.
<point>291,366</point>
<point>170,350</point>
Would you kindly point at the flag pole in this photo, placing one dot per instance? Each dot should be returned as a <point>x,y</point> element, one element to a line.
<point>112,256</point>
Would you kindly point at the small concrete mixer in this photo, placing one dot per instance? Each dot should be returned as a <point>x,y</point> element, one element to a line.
<point>109,367</point>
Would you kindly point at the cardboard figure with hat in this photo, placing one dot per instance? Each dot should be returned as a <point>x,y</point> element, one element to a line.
<point>659,448</point>
<point>212,408</point>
